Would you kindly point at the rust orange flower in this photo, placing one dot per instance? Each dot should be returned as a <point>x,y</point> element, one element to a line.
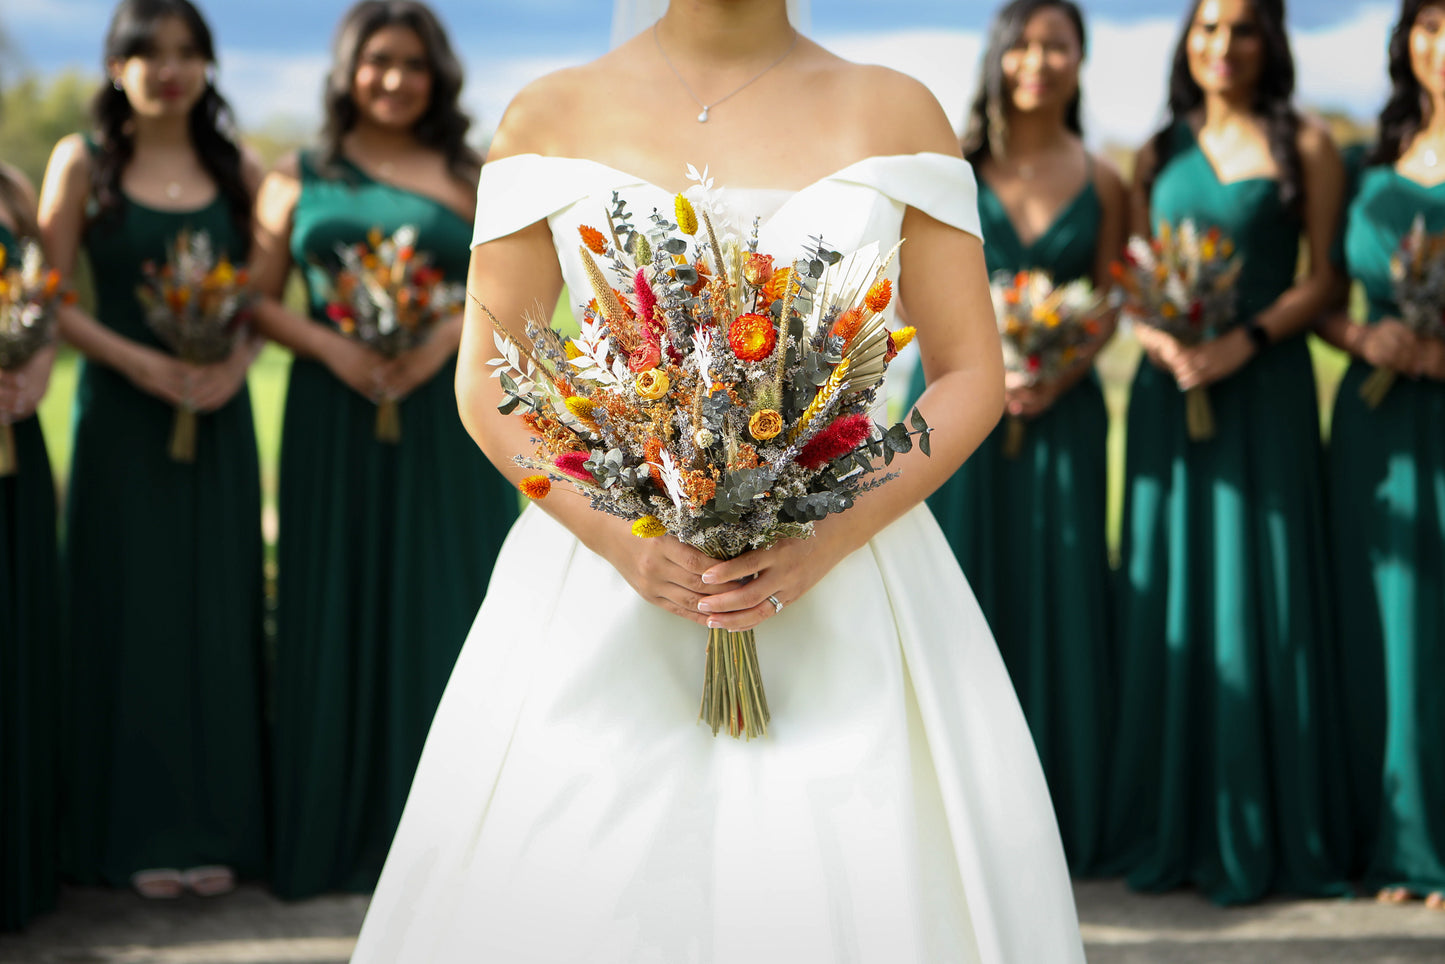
<point>594,239</point>
<point>535,486</point>
<point>847,324</point>
<point>752,337</point>
<point>647,356</point>
<point>757,269</point>
<point>777,284</point>
<point>879,295</point>
<point>765,424</point>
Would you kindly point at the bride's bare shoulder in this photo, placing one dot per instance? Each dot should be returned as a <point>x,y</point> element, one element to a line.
<point>896,113</point>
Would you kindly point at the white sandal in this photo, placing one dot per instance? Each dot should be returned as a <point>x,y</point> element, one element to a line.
<point>210,881</point>
<point>162,883</point>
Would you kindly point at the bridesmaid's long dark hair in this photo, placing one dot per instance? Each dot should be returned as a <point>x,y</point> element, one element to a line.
<point>1273,100</point>
<point>12,198</point>
<point>442,127</point>
<point>985,129</point>
<point>212,128</point>
<point>1407,109</point>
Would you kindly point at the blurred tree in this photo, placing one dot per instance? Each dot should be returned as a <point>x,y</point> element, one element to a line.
<point>36,112</point>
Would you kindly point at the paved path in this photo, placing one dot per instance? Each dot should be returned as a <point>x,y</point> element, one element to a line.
<point>251,927</point>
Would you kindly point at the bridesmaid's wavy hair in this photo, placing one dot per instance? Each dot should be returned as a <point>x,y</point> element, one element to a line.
<point>443,126</point>
<point>1273,100</point>
<point>986,127</point>
<point>1407,109</point>
<point>12,198</point>
<point>212,127</point>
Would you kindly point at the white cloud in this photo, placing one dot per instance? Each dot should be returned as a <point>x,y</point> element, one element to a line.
<point>269,88</point>
<point>946,61</point>
<point>57,15</point>
<point>1346,66</point>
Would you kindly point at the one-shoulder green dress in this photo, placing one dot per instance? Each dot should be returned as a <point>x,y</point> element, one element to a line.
<point>1029,533</point>
<point>384,556</point>
<point>1227,770</point>
<point>1387,477</point>
<point>29,714</point>
<point>163,578</point>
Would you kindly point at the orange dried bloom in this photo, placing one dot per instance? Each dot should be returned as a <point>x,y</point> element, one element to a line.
<point>765,424</point>
<point>752,337</point>
<point>699,487</point>
<point>777,285</point>
<point>652,454</point>
<point>847,324</point>
<point>879,295</point>
<point>535,486</point>
<point>747,458</point>
<point>595,240</point>
<point>703,277</point>
<point>757,269</point>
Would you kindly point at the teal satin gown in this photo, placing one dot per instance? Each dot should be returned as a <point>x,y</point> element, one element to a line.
<point>1227,766</point>
<point>1029,534</point>
<point>163,658</point>
<point>29,714</point>
<point>384,556</point>
<point>1387,477</point>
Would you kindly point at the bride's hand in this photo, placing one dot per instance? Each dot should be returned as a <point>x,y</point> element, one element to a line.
<point>784,572</point>
<point>663,571</point>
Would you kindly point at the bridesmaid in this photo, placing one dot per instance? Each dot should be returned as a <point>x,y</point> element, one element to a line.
<point>1226,769</point>
<point>29,619</point>
<point>1029,530</point>
<point>1387,476</point>
<point>385,549</point>
<point>163,771</point>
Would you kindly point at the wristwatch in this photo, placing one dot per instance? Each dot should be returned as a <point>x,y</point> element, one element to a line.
<point>1258,335</point>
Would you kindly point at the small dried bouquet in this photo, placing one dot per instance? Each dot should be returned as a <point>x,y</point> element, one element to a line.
<point>30,293</point>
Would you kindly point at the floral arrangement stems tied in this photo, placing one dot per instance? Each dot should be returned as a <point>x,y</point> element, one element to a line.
<point>197,304</point>
<point>1044,329</point>
<point>714,396</point>
<point>29,295</point>
<point>387,295</point>
<point>1182,282</point>
<point>1417,269</point>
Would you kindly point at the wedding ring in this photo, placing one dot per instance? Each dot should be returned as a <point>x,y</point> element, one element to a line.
<point>777,606</point>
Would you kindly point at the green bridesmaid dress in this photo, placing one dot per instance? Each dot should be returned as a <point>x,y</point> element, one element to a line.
<point>162,669</point>
<point>1227,764</point>
<point>29,717</point>
<point>1387,477</point>
<point>1029,534</point>
<point>384,556</point>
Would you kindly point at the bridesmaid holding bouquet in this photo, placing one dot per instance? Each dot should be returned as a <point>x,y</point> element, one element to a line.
<point>1387,476</point>
<point>1028,526</point>
<point>386,546</point>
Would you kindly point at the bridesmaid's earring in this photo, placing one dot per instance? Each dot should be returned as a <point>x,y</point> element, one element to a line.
<point>117,85</point>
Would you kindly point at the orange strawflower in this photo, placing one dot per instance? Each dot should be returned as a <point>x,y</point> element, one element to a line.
<point>595,240</point>
<point>535,486</point>
<point>879,295</point>
<point>752,337</point>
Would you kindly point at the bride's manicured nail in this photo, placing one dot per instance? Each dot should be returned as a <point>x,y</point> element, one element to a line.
<point>707,578</point>
<point>704,607</point>
<point>714,624</point>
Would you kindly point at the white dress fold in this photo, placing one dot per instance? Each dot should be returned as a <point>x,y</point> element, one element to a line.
<point>570,808</point>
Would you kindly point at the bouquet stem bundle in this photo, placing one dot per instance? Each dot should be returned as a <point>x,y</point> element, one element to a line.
<point>388,421</point>
<point>1013,436</point>
<point>732,686</point>
<point>182,447</point>
<point>9,462</point>
<point>1417,269</point>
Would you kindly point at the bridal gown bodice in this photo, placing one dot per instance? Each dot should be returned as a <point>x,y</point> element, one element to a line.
<point>570,808</point>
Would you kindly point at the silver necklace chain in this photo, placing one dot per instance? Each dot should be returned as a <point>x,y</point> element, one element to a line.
<point>702,117</point>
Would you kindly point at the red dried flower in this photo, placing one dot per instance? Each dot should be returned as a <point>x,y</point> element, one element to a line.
<point>752,337</point>
<point>571,463</point>
<point>838,439</point>
<point>646,297</point>
<point>647,357</point>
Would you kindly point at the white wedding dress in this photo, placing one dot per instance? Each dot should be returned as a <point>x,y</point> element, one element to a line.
<point>570,808</point>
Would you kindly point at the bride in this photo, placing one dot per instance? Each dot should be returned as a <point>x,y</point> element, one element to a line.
<point>568,807</point>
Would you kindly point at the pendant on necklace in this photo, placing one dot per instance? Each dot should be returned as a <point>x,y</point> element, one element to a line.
<point>1428,158</point>
<point>702,118</point>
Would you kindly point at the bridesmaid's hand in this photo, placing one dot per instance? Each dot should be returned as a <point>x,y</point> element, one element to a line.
<point>411,370</point>
<point>1389,344</point>
<point>156,373</point>
<point>1025,400</point>
<point>356,366</point>
<point>1430,360</point>
<point>1213,361</point>
<point>21,389</point>
<point>663,571</point>
<point>1161,349</point>
<point>212,386</point>
<point>785,572</point>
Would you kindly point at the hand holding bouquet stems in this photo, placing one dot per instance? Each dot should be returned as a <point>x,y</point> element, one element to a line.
<point>388,296</point>
<point>713,395</point>
<point>197,304</point>
<point>1182,282</point>
<point>30,294</point>
<point>1417,269</point>
<point>1045,329</point>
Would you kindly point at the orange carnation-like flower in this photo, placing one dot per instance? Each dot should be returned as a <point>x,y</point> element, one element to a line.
<point>596,242</point>
<point>535,486</point>
<point>765,424</point>
<point>752,337</point>
<point>879,295</point>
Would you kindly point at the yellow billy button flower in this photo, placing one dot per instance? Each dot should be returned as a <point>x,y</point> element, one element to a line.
<point>535,486</point>
<point>686,216</point>
<point>765,424</point>
<point>903,336</point>
<point>648,527</point>
<point>572,350</point>
<point>651,384</point>
<point>579,406</point>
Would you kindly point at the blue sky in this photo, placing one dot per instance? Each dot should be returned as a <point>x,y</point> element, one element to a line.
<point>273,52</point>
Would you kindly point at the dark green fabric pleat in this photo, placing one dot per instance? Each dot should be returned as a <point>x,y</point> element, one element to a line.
<point>384,557</point>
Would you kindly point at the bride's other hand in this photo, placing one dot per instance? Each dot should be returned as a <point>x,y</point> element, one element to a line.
<point>740,588</point>
<point>663,571</point>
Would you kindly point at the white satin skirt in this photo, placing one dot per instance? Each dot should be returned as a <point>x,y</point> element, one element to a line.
<point>570,808</point>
